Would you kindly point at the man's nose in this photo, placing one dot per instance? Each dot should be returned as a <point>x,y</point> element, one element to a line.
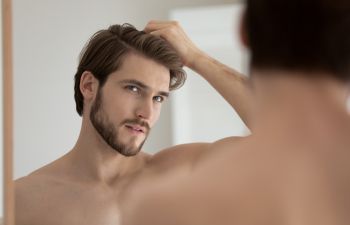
<point>145,110</point>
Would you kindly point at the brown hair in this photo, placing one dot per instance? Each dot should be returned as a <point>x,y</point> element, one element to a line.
<point>106,49</point>
<point>304,35</point>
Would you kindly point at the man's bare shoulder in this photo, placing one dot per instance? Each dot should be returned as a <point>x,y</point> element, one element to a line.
<point>178,185</point>
<point>179,162</point>
<point>39,178</point>
<point>189,155</point>
<point>32,190</point>
<point>31,180</point>
<point>176,164</point>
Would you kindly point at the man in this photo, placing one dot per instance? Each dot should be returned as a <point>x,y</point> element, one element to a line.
<point>295,167</point>
<point>123,77</point>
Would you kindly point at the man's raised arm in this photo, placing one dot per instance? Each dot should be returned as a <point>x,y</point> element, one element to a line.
<point>228,82</point>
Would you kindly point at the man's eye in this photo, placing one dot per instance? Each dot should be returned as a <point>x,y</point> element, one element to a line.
<point>133,88</point>
<point>158,98</point>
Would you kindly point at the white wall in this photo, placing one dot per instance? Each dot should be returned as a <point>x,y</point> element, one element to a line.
<point>48,36</point>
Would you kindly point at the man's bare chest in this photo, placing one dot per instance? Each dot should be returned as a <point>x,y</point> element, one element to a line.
<point>74,206</point>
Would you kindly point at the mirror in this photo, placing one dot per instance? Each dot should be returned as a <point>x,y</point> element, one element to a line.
<point>48,37</point>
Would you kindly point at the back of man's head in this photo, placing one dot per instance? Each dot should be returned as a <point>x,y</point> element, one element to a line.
<point>105,51</point>
<point>300,35</point>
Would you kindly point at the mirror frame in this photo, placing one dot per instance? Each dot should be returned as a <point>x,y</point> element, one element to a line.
<point>7,71</point>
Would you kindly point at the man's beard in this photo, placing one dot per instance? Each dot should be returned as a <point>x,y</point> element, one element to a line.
<point>109,133</point>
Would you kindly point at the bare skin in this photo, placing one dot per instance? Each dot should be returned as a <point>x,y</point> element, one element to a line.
<point>294,168</point>
<point>294,172</point>
<point>88,184</point>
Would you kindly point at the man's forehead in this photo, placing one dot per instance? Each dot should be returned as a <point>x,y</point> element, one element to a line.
<point>145,70</point>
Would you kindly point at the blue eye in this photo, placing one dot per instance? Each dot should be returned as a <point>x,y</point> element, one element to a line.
<point>158,99</point>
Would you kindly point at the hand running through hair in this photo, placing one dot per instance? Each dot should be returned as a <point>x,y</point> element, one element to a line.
<point>173,33</point>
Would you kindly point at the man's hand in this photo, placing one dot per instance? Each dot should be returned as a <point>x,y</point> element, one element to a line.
<point>173,33</point>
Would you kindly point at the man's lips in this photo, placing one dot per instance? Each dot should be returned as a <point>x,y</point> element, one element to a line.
<point>136,128</point>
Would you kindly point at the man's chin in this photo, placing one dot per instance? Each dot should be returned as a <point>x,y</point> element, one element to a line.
<point>129,151</point>
<point>131,154</point>
<point>131,148</point>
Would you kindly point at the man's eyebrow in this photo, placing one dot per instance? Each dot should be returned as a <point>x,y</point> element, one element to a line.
<point>136,82</point>
<point>164,93</point>
<point>143,86</point>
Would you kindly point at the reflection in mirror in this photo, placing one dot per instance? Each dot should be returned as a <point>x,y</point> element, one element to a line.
<point>48,37</point>
<point>46,49</point>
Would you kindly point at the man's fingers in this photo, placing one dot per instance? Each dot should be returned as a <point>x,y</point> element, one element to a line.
<point>163,33</point>
<point>157,33</point>
<point>154,25</point>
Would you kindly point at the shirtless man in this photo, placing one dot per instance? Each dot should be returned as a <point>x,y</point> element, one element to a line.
<point>294,169</point>
<point>123,77</point>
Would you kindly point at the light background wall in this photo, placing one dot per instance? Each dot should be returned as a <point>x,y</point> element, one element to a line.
<point>48,36</point>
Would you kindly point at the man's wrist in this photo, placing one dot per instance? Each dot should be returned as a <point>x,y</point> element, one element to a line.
<point>198,59</point>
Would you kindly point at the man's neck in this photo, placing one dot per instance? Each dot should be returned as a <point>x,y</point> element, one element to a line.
<point>299,104</point>
<point>92,159</point>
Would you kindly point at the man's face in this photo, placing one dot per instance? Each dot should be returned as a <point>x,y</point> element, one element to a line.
<point>129,104</point>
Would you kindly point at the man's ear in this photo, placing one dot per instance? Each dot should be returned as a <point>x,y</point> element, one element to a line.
<point>243,30</point>
<point>88,85</point>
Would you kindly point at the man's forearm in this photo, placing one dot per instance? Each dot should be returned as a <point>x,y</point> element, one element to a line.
<point>232,85</point>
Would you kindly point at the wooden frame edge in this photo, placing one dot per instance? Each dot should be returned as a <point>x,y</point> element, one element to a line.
<point>9,218</point>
